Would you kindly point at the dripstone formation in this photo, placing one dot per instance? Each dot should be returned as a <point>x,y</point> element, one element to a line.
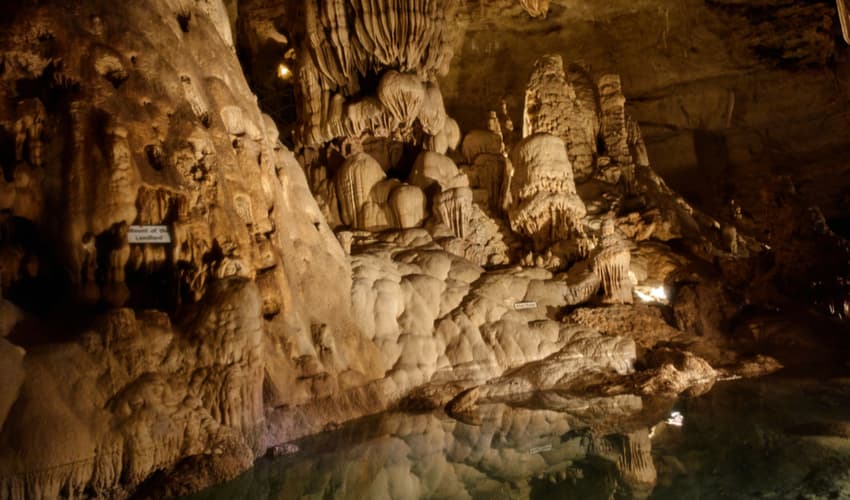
<point>366,254</point>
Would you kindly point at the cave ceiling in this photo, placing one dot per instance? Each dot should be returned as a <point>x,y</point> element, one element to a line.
<point>723,89</point>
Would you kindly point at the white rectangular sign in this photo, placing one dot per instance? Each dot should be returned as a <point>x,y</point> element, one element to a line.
<point>148,234</point>
<point>519,306</point>
<point>540,449</point>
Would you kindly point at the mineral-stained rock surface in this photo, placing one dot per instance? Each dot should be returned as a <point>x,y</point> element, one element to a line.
<point>188,282</point>
<point>137,114</point>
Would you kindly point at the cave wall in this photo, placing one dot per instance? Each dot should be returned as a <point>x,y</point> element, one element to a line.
<point>124,359</point>
<point>730,95</point>
<point>190,360</point>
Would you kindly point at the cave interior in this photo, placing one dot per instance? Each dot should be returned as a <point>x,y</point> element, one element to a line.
<point>425,249</point>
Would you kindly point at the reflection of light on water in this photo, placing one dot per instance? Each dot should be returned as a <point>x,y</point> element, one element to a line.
<point>654,294</point>
<point>676,419</point>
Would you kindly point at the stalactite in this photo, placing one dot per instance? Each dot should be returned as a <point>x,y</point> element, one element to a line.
<point>454,207</point>
<point>409,41</point>
<point>611,262</point>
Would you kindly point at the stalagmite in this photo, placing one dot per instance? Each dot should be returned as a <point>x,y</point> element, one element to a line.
<point>355,181</point>
<point>544,204</point>
<point>454,208</point>
<point>408,204</point>
<point>535,8</point>
<point>432,113</point>
<point>547,97</point>
<point>564,104</point>
<point>611,263</point>
<point>489,172</point>
<point>585,121</point>
<point>478,142</point>
<point>615,129</point>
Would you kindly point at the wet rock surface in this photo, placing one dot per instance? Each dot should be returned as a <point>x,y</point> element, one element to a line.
<point>777,437</point>
<point>189,283</point>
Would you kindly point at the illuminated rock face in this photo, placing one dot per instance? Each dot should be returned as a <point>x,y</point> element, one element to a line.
<point>552,106</point>
<point>611,263</point>
<point>341,43</point>
<point>535,8</point>
<point>567,104</point>
<point>544,204</point>
<point>355,182</point>
<point>138,114</point>
<point>427,267</point>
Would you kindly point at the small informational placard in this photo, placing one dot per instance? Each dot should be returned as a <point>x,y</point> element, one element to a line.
<point>519,306</point>
<point>155,235</point>
<point>540,449</point>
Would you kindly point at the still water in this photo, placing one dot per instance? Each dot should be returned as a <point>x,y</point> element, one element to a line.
<point>783,437</point>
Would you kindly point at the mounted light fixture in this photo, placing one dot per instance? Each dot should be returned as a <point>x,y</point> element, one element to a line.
<point>652,294</point>
<point>844,15</point>
<point>283,72</point>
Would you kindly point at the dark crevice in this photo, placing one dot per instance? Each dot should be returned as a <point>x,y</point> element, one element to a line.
<point>116,77</point>
<point>155,155</point>
<point>183,19</point>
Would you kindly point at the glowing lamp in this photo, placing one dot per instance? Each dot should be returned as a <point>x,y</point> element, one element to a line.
<point>283,72</point>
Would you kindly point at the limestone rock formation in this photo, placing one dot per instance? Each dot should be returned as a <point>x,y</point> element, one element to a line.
<point>448,138</point>
<point>438,319</point>
<point>453,207</point>
<point>535,8</point>
<point>490,173</point>
<point>565,105</point>
<point>402,95</point>
<point>544,204</point>
<point>615,126</point>
<point>356,181</point>
<point>432,114</point>
<point>409,206</point>
<point>216,322</point>
<point>181,292</point>
<point>340,43</point>
<point>478,142</point>
<point>434,172</point>
<point>611,261</point>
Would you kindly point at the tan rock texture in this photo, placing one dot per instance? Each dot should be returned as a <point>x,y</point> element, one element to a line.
<point>387,260</point>
<point>705,80</point>
<point>136,114</point>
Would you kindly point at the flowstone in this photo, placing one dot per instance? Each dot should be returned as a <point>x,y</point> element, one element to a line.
<point>389,260</point>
